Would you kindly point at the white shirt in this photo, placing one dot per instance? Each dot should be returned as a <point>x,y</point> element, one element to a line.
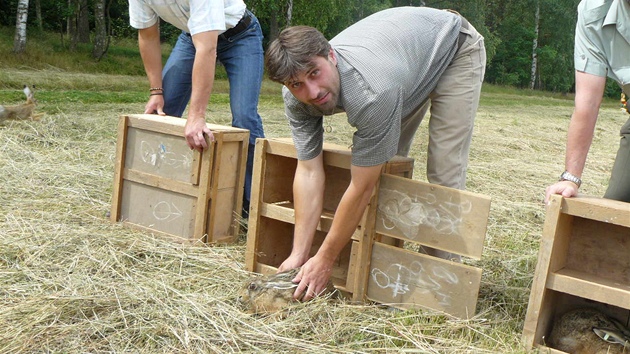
<point>192,16</point>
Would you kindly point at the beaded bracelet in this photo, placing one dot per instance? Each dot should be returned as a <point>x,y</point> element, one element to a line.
<point>156,89</point>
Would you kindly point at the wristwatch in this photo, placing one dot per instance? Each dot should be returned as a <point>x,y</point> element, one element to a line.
<point>567,176</point>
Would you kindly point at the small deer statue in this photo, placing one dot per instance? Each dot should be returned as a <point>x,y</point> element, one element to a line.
<point>21,111</point>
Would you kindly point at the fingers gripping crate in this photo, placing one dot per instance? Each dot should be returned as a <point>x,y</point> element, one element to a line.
<point>583,261</point>
<point>374,265</point>
<point>163,186</point>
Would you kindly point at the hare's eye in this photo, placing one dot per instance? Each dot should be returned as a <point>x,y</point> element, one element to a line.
<point>252,286</point>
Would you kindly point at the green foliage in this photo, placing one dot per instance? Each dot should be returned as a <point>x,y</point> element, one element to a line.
<point>49,50</point>
<point>508,27</point>
<point>508,68</point>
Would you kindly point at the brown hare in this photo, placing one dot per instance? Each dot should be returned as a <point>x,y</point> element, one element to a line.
<point>21,111</point>
<point>588,331</point>
<point>272,293</point>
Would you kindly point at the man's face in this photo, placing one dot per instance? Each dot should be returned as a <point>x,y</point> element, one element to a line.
<point>319,85</point>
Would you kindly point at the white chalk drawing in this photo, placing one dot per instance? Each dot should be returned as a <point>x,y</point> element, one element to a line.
<point>165,211</point>
<point>408,215</point>
<point>415,278</point>
<point>160,155</point>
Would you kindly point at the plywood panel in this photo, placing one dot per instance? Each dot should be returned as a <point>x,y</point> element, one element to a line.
<point>600,249</point>
<point>600,209</point>
<point>158,209</point>
<point>161,155</point>
<point>408,279</point>
<point>432,215</point>
<point>223,227</point>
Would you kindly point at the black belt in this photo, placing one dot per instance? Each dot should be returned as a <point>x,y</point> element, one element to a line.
<point>241,26</point>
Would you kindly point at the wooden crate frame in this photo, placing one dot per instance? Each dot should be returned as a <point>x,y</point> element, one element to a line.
<point>360,270</point>
<point>162,186</point>
<point>583,261</point>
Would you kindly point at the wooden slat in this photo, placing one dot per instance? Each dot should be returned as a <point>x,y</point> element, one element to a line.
<point>285,212</point>
<point>591,287</point>
<point>159,182</point>
<point>406,279</point>
<point>121,144</point>
<point>155,123</point>
<point>436,216</point>
<point>604,210</point>
<point>258,173</point>
<point>532,328</point>
<point>547,350</point>
<point>204,213</point>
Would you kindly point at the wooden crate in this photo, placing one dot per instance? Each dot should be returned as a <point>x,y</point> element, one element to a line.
<point>374,265</point>
<point>583,261</point>
<point>162,186</point>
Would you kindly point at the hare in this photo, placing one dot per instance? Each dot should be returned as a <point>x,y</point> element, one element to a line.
<point>588,331</point>
<point>272,293</point>
<point>21,111</point>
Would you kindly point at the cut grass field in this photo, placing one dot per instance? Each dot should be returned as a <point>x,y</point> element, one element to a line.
<point>72,282</point>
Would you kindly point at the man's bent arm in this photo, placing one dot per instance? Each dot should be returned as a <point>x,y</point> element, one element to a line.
<point>588,98</point>
<point>202,82</point>
<point>308,199</point>
<point>316,272</point>
<point>151,54</point>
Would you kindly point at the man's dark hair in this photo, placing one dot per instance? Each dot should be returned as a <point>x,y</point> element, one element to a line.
<point>293,52</point>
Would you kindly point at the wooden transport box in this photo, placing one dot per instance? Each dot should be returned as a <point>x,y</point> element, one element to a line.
<point>375,265</point>
<point>163,186</point>
<point>583,261</point>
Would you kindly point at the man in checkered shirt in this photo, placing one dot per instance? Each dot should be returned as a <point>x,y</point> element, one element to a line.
<point>384,72</point>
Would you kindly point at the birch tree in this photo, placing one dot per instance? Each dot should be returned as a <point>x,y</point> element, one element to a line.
<point>534,69</point>
<point>100,30</point>
<point>19,42</point>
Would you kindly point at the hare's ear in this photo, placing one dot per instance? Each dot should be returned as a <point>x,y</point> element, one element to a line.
<point>280,285</point>
<point>28,92</point>
<point>610,336</point>
<point>620,326</point>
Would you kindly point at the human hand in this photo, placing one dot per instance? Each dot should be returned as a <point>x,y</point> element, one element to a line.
<point>194,133</point>
<point>291,263</point>
<point>567,189</point>
<point>313,278</point>
<point>155,105</point>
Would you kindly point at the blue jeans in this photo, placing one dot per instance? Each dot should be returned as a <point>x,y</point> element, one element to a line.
<point>242,56</point>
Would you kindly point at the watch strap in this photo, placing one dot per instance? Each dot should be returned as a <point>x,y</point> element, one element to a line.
<point>567,176</point>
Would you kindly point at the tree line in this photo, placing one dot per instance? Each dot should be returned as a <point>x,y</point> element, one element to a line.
<point>529,43</point>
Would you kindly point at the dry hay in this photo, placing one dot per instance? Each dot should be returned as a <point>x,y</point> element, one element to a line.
<point>72,282</point>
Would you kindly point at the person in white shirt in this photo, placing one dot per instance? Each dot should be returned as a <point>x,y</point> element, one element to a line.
<point>210,29</point>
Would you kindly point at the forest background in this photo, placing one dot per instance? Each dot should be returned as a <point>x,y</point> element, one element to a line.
<point>529,42</point>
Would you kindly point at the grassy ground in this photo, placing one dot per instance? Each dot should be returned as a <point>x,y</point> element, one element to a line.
<point>72,282</point>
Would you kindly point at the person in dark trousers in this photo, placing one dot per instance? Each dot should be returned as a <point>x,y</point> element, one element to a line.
<point>602,48</point>
<point>211,30</point>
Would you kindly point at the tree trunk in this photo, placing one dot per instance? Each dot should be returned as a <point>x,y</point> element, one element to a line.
<point>274,28</point>
<point>19,41</point>
<point>73,11</point>
<point>38,14</point>
<point>83,22</point>
<point>100,30</point>
<point>289,12</point>
<point>534,70</point>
